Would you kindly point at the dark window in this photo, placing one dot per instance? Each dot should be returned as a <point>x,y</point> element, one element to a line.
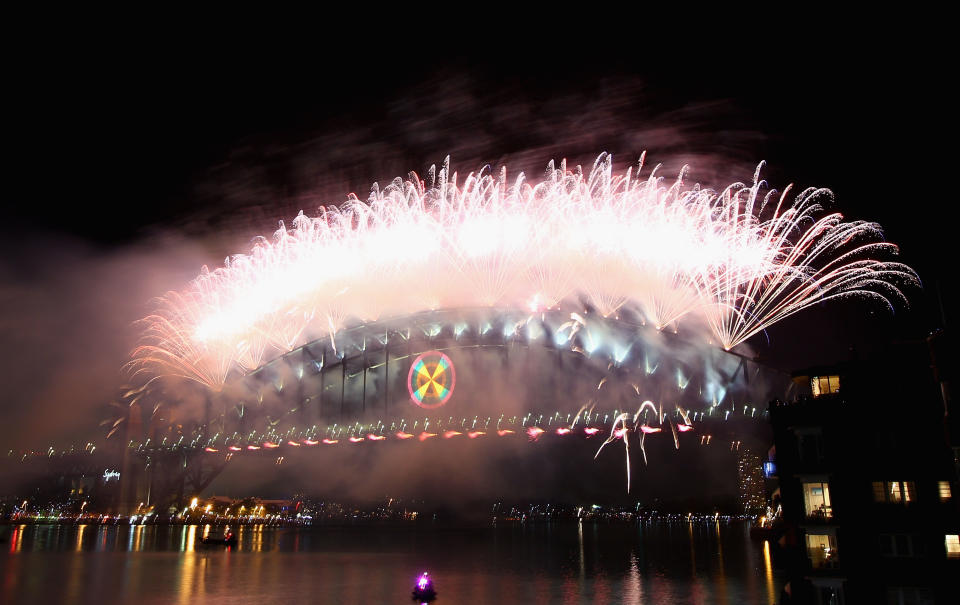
<point>902,595</point>
<point>811,447</point>
<point>900,545</point>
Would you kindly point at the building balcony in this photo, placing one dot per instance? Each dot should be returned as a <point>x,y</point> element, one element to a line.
<point>822,551</point>
<point>823,558</point>
<point>820,515</point>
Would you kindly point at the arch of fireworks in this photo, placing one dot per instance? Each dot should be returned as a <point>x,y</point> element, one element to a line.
<point>736,260</point>
<point>559,255</point>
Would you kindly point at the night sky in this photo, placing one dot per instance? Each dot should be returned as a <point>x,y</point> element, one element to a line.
<point>130,166</point>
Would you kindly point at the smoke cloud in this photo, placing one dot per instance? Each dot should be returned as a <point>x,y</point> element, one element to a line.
<point>68,307</point>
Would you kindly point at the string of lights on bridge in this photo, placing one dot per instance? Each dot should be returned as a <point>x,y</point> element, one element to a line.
<point>533,427</point>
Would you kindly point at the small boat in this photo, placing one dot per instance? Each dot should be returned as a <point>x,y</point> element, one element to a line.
<point>423,590</point>
<point>227,540</point>
<point>761,533</point>
<point>765,529</point>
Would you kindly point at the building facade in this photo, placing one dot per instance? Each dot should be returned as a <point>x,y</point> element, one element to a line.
<point>750,482</point>
<point>868,484</point>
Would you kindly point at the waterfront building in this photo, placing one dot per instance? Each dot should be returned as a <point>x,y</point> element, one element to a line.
<point>750,482</point>
<point>868,482</point>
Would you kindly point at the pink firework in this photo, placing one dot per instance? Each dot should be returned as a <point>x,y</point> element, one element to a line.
<point>737,259</point>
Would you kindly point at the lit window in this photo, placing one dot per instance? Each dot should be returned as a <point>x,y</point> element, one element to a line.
<point>822,550</point>
<point>894,491</point>
<point>952,543</point>
<point>834,384</point>
<point>824,385</point>
<point>945,493</point>
<point>816,500</point>
<point>907,487</point>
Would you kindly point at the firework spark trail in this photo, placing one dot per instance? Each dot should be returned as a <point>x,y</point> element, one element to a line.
<point>621,433</point>
<point>585,410</point>
<point>624,424</point>
<point>790,279</point>
<point>169,348</point>
<point>738,260</point>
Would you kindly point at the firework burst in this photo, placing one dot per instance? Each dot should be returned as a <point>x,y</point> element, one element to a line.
<point>737,259</point>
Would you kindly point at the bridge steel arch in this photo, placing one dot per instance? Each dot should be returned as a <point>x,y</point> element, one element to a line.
<point>360,373</point>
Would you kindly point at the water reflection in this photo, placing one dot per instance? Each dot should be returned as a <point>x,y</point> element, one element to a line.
<point>633,588</point>
<point>583,568</point>
<point>80,531</point>
<point>188,566</point>
<point>768,572</point>
<point>16,539</point>
<point>720,577</point>
<point>694,563</point>
<point>257,541</point>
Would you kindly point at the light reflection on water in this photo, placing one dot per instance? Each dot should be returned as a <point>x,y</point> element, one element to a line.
<point>720,577</point>
<point>768,572</point>
<point>565,563</point>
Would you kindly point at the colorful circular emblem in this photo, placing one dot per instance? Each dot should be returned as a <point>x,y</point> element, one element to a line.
<point>431,380</point>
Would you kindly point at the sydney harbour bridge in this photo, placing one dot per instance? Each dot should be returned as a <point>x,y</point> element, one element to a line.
<point>584,276</point>
<point>482,373</point>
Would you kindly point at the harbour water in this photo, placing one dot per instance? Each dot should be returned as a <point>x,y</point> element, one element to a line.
<point>530,564</point>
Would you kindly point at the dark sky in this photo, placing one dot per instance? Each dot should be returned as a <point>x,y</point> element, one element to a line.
<point>130,165</point>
